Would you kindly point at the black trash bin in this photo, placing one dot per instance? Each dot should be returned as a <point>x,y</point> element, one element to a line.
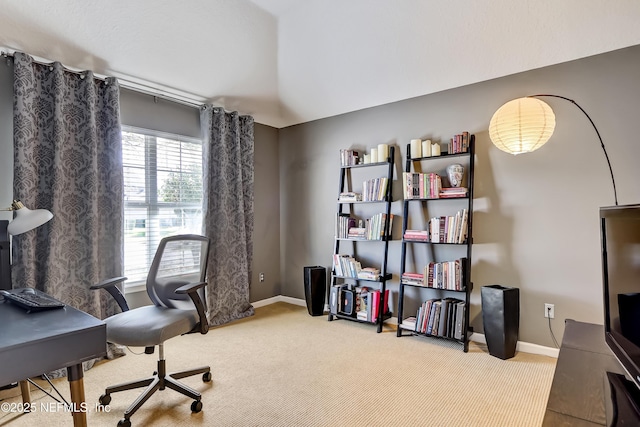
<point>315,287</point>
<point>501,319</point>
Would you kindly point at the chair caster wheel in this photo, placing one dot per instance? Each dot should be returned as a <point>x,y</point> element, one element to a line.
<point>105,399</point>
<point>206,377</point>
<point>196,406</point>
<point>124,423</point>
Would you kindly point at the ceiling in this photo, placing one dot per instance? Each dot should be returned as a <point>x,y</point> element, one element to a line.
<point>293,61</point>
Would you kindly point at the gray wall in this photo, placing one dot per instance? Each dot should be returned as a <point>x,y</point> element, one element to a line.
<point>145,111</point>
<point>266,234</point>
<point>536,215</point>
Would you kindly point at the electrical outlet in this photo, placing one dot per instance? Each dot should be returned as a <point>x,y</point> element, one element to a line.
<point>262,277</point>
<point>549,310</point>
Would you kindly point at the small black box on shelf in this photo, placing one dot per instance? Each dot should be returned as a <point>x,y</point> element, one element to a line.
<point>348,302</point>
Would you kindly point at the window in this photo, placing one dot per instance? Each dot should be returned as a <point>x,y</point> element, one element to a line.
<point>162,194</point>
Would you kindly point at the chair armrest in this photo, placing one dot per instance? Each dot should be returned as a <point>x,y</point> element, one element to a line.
<point>110,286</point>
<point>191,289</point>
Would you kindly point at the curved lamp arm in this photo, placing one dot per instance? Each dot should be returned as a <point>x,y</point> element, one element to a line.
<point>525,124</point>
<point>613,181</point>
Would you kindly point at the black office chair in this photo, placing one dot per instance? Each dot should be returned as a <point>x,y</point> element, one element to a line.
<point>175,284</point>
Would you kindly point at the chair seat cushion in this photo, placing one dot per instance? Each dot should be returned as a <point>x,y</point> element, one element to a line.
<point>149,325</point>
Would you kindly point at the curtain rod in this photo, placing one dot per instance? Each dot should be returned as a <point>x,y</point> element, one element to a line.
<point>127,84</point>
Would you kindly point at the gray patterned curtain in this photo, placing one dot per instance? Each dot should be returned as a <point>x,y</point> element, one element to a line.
<point>228,212</point>
<point>67,158</point>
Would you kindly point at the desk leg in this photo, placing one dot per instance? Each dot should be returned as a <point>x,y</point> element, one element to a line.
<point>26,392</point>
<point>76,386</point>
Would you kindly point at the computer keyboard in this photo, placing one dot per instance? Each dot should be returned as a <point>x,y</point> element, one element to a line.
<point>30,301</point>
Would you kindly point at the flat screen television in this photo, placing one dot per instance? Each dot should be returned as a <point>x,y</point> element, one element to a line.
<point>620,238</point>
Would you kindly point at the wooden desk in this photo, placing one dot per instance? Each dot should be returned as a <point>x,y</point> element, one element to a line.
<point>577,396</point>
<point>35,343</point>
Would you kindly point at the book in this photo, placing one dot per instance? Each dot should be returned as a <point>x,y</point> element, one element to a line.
<point>432,317</point>
<point>444,313</point>
<point>375,303</point>
<point>409,323</point>
<point>460,314</point>
<point>334,298</point>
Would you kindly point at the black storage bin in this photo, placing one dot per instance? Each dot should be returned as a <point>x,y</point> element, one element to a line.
<point>501,319</point>
<point>315,288</point>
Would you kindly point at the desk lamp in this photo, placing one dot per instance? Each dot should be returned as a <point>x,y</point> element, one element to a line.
<point>25,220</point>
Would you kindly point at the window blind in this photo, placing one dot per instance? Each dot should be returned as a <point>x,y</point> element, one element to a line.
<point>162,194</point>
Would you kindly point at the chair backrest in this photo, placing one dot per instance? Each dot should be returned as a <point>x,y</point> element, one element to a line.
<point>178,260</point>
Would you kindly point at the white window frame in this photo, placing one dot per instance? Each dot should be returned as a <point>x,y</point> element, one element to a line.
<point>151,203</point>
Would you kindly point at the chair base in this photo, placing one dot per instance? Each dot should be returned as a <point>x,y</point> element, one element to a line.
<point>159,381</point>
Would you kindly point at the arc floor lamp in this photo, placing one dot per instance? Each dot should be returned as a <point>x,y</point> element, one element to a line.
<point>525,124</point>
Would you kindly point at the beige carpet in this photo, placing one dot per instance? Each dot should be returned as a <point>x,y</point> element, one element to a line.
<point>283,367</point>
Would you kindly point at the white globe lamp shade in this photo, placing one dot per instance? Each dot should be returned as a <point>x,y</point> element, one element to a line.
<point>522,125</point>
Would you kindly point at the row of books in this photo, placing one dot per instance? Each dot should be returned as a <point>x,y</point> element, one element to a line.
<point>438,275</point>
<point>373,228</point>
<point>348,157</point>
<point>421,185</point>
<point>443,229</point>
<point>347,266</point>
<point>359,302</point>
<point>438,317</point>
<point>374,190</point>
<point>459,143</point>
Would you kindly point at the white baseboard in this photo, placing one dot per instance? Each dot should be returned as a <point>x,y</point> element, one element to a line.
<point>525,347</point>
<point>279,298</point>
<point>522,346</point>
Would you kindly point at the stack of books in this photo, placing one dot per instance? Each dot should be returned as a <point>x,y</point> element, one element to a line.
<point>350,196</point>
<point>369,273</point>
<point>415,279</point>
<point>359,233</point>
<point>420,235</point>
<point>452,192</point>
